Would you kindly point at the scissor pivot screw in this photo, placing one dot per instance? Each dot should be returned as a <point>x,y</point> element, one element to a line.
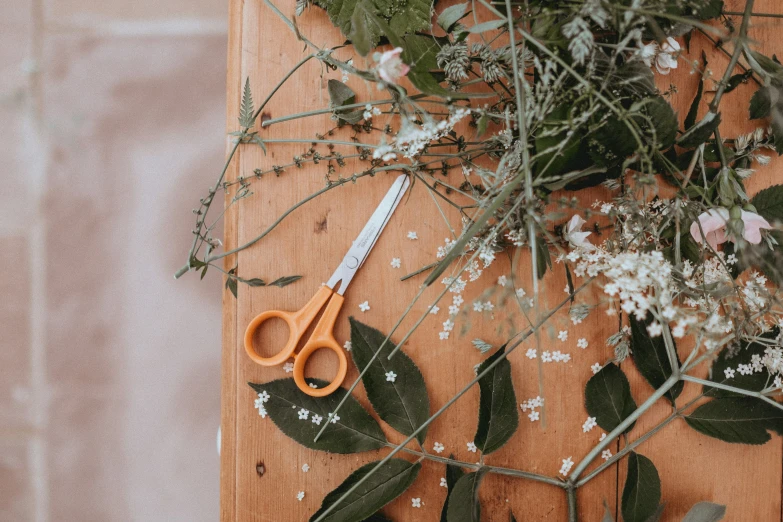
<point>351,262</point>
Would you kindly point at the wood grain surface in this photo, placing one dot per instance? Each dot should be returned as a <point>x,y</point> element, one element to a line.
<point>312,241</point>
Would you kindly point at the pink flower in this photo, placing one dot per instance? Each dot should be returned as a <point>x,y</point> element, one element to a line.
<point>391,67</point>
<point>713,224</point>
<point>575,236</point>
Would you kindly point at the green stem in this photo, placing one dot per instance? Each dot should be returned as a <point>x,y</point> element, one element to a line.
<point>734,389</point>
<point>571,497</point>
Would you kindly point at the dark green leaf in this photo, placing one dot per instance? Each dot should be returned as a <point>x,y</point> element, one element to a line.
<point>377,517</point>
<point>402,403</point>
<point>705,512</point>
<point>427,84</point>
<point>709,9</point>
<point>760,104</point>
<point>608,397</point>
<point>663,119</point>
<point>743,420</point>
<point>768,64</point>
<point>449,17</point>
<point>383,486</point>
<point>420,52</point>
<point>246,111</point>
<point>636,78</point>
<point>736,80</point>
<point>231,284</point>
<point>255,282</point>
<point>464,505</point>
<point>285,281</point>
<point>355,431</point>
<point>453,474</point>
<point>700,132</point>
<point>769,203</point>
<point>642,491</point>
<point>693,112</point>
<point>656,517</point>
<point>755,381</point>
<point>650,357</point>
<point>498,417</point>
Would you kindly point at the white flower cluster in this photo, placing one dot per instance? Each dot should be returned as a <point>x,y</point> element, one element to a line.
<point>263,397</point>
<point>412,138</point>
<point>532,404</point>
<point>555,356</point>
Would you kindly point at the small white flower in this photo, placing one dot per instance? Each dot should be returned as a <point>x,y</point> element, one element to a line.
<point>364,306</point>
<point>391,376</point>
<point>603,436</point>
<point>729,373</point>
<point>606,454</point>
<point>488,305</point>
<point>263,396</point>
<point>391,67</point>
<point>453,310</point>
<point>434,310</point>
<point>438,447</point>
<point>589,424</point>
<point>305,467</point>
<point>478,306</point>
<point>520,292</point>
<point>416,502</point>
<point>288,367</point>
<point>533,416</point>
<point>596,368</point>
<point>655,329</point>
<point>317,419</point>
<point>413,235</point>
<point>261,411</point>
<point>347,346</point>
<point>303,414</point>
<point>457,300</point>
<point>300,496</point>
<point>395,262</point>
<point>563,335</point>
<point>333,418</point>
<point>582,343</point>
<point>566,467</point>
<point>502,280</point>
<point>472,447</point>
<point>443,482</point>
<point>448,325</point>
<point>574,235</point>
<point>531,353</point>
<point>313,385</point>
<point>546,357</point>
<point>443,335</point>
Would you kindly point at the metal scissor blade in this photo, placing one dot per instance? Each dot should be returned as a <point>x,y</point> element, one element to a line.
<point>358,252</point>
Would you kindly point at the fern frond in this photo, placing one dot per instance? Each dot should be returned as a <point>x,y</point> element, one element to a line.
<point>246,111</point>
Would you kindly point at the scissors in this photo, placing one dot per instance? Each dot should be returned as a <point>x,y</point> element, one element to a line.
<point>323,336</point>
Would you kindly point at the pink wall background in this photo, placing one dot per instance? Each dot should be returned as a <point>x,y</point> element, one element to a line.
<point>112,128</point>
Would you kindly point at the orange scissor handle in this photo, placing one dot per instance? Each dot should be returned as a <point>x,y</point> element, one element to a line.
<point>298,323</point>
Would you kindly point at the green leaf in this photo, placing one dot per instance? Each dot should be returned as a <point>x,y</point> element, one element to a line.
<point>464,505</point>
<point>339,93</point>
<point>481,125</point>
<point>755,381</point>
<point>709,9</point>
<point>663,120</point>
<point>650,357</point>
<point>377,517</point>
<point>760,104</point>
<point>487,26</point>
<point>742,420</point>
<point>705,512</point>
<point>700,132</point>
<point>402,403</point>
<point>498,417</point>
<point>608,397</point>
<point>420,52</point>
<point>362,30</point>
<point>642,491</point>
<point>353,432</point>
<point>285,281</point>
<point>453,474</point>
<point>449,17</point>
<point>768,64</point>
<point>693,112</point>
<point>736,80</point>
<point>255,282</point>
<point>231,284</point>
<point>427,84</point>
<point>246,111</point>
<point>769,203</point>
<point>389,482</point>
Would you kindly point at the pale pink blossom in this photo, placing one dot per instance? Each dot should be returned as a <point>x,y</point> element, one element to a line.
<point>391,67</point>
<point>575,236</point>
<point>714,221</point>
<point>663,56</point>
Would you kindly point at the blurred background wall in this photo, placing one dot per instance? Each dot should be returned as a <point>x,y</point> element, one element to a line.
<point>111,128</point>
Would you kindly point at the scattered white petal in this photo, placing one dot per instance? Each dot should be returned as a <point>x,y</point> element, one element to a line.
<point>603,436</point>
<point>391,376</point>
<point>502,280</point>
<point>443,335</point>
<point>313,385</point>
<point>589,424</point>
<point>300,496</point>
<point>416,502</point>
<point>317,419</point>
<point>533,416</point>
<point>438,447</point>
<point>566,467</point>
<point>606,454</point>
<point>288,367</point>
<point>305,467</point>
<point>596,368</point>
<point>582,343</point>
<point>413,235</point>
<point>333,418</point>
<point>443,482</point>
<point>347,346</point>
<point>395,262</point>
<point>303,414</point>
<point>364,306</point>
<point>472,447</point>
<point>531,353</point>
<point>563,335</point>
<point>434,309</point>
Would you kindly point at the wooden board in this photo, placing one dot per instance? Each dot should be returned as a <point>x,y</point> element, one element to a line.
<point>312,241</point>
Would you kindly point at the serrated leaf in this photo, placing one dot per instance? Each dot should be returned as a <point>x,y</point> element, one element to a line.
<point>700,132</point>
<point>755,381</point>
<point>355,431</point>
<point>705,512</point>
<point>420,52</point>
<point>650,357</point>
<point>608,397</point>
<point>760,104</point>
<point>741,420</point>
<point>769,203</point>
<point>464,505</point>
<point>449,17</point>
<point>453,474</point>
<point>246,110</point>
<point>498,417</point>
<point>642,491</point>
<point>285,281</point>
<point>389,482</point>
<point>403,403</point>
